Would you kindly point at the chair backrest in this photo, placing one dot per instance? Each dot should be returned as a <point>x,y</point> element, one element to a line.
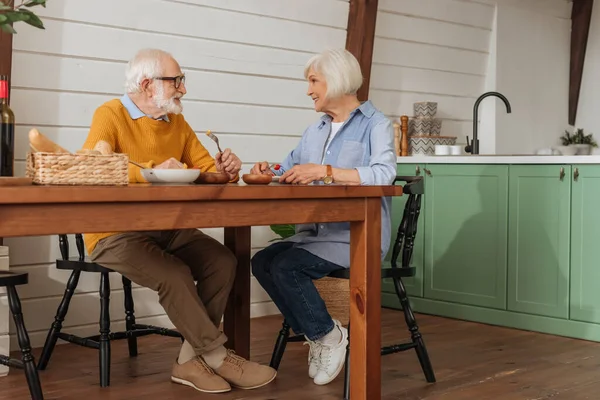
<point>63,244</point>
<point>407,230</point>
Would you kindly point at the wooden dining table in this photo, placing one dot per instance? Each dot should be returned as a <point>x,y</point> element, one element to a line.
<point>49,210</point>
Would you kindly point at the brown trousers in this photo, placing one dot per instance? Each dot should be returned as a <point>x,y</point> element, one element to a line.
<point>169,262</point>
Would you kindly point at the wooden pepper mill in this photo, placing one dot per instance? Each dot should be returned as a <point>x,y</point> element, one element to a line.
<point>404,139</point>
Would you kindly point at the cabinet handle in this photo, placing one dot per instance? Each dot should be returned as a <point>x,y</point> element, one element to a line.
<point>417,171</point>
<point>562,173</point>
<point>576,174</point>
<point>428,172</point>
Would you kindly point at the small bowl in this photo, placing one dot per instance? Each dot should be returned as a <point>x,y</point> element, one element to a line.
<point>212,178</point>
<point>257,179</point>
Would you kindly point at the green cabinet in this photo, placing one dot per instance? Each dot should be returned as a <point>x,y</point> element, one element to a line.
<point>538,239</point>
<point>414,285</point>
<point>585,244</point>
<point>465,234</point>
<point>513,245</point>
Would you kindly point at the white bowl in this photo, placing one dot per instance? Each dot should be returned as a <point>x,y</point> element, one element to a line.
<point>170,175</point>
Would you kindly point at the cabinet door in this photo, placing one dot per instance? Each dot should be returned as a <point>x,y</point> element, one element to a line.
<point>585,244</point>
<point>538,244</point>
<point>414,285</point>
<point>465,234</point>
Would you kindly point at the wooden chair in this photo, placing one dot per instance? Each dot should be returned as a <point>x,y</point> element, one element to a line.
<point>402,246</point>
<point>102,341</point>
<point>9,280</point>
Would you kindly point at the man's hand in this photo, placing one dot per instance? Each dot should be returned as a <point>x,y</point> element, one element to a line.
<point>228,163</point>
<point>304,174</point>
<point>171,163</point>
<point>261,168</point>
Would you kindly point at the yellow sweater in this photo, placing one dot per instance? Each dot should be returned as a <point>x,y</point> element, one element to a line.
<point>146,141</point>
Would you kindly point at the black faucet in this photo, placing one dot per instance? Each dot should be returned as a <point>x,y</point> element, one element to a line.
<point>473,148</point>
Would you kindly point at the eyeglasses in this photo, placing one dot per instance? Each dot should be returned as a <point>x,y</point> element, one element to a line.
<point>178,80</point>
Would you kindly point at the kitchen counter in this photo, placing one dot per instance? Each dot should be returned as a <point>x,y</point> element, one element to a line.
<point>500,159</point>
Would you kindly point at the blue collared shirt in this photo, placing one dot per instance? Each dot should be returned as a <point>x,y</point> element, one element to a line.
<point>134,111</point>
<point>365,142</point>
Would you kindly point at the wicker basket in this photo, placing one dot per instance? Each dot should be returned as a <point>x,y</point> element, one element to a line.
<point>77,169</point>
<point>336,294</point>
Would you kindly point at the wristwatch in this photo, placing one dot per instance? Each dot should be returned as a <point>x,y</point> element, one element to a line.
<point>329,177</point>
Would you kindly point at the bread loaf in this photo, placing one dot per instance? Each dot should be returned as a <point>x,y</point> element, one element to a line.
<point>103,147</point>
<point>41,143</point>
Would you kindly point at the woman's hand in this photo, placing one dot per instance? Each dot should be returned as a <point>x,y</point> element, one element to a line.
<point>261,168</point>
<point>304,174</point>
<point>228,163</point>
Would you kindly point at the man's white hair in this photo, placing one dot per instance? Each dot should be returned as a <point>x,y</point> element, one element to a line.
<point>340,69</point>
<point>146,64</point>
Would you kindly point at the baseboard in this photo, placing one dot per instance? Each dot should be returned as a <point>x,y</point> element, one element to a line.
<point>504,318</point>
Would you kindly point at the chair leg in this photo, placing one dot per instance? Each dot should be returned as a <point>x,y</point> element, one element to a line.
<point>58,320</point>
<point>415,335</point>
<point>280,345</point>
<point>347,369</point>
<point>33,380</point>
<point>104,330</point>
<point>129,317</point>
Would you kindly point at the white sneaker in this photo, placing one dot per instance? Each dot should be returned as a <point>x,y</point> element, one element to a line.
<point>331,358</point>
<point>313,357</point>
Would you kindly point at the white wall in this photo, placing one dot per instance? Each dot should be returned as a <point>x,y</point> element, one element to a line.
<point>244,61</point>
<point>431,50</point>
<point>588,116</point>
<point>452,51</point>
<point>532,71</point>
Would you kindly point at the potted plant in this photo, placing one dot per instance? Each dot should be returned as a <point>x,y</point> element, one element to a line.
<point>580,141</point>
<point>11,13</point>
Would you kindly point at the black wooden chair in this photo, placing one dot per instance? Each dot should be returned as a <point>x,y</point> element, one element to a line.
<point>102,341</point>
<point>9,280</point>
<point>402,246</point>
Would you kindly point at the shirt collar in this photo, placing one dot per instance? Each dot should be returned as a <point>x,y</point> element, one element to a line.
<point>366,108</point>
<point>134,111</point>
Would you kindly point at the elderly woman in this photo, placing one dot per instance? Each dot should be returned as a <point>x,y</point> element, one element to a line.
<point>351,144</point>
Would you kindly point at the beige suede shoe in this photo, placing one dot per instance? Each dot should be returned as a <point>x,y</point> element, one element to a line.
<point>244,374</point>
<point>197,374</point>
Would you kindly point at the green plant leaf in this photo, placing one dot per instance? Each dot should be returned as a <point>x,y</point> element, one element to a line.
<point>284,231</point>
<point>34,20</point>
<point>7,28</point>
<point>3,18</point>
<point>33,3</point>
<point>5,7</point>
<point>15,16</point>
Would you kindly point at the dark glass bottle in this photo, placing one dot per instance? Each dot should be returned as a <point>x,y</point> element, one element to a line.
<point>7,131</point>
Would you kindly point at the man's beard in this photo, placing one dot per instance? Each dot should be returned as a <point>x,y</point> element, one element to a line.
<point>167,105</point>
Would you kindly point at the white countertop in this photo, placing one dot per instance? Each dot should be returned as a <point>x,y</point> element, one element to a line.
<point>500,159</point>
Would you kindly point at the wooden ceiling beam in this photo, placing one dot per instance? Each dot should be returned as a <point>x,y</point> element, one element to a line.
<point>360,38</point>
<point>581,16</point>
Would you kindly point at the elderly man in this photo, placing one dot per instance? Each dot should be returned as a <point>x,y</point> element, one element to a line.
<point>147,124</point>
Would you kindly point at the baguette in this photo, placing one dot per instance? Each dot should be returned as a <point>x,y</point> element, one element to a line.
<point>40,143</point>
<point>103,147</point>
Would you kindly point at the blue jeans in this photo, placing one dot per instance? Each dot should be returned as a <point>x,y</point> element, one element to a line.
<point>286,273</point>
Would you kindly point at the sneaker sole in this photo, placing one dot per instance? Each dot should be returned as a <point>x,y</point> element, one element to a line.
<point>190,384</point>
<point>337,372</point>
<point>256,386</point>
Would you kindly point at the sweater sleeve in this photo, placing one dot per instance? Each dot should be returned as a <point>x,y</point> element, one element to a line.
<point>105,127</point>
<point>196,155</point>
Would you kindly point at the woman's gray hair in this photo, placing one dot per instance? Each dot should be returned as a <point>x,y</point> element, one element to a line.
<point>340,69</point>
<point>146,64</point>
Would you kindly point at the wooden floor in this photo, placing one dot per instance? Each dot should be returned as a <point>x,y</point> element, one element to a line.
<point>472,361</point>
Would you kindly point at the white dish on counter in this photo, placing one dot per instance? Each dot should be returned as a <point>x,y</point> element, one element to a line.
<point>170,175</point>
